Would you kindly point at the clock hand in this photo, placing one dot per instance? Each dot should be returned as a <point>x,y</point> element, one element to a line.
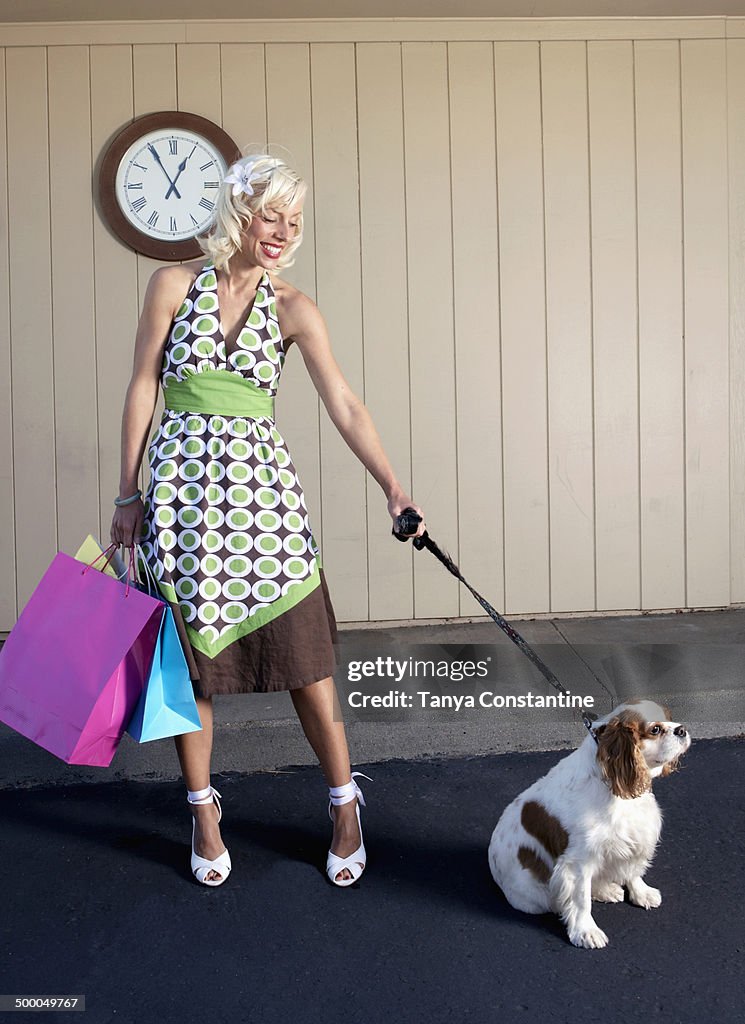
<point>157,159</point>
<point>181,169</point>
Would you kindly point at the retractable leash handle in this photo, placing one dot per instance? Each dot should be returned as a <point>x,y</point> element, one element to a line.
<point>407,522</point>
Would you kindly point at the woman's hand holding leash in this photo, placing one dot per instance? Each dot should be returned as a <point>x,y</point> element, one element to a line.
<point>409,524</point>
<point>408,518</point>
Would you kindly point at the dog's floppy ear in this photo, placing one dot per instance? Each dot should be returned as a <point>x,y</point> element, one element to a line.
<point>620,756</point>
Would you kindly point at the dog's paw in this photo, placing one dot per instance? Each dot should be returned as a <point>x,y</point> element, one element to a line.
<point>589,938</point>
<point>642,895</point>
<point>609,892</point>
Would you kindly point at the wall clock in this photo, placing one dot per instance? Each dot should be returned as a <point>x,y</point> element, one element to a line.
<point>158,182</point>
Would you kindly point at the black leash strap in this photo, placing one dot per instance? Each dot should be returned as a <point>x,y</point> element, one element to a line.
<point>406,523</point>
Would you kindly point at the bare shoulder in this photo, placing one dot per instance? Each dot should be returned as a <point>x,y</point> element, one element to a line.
<point>299,316</point>
<point>169,285</point>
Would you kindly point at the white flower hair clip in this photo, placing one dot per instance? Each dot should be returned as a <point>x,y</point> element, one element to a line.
<point>241,176</point>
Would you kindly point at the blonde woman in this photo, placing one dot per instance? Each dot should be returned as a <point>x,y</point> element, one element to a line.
<point>224,524</point>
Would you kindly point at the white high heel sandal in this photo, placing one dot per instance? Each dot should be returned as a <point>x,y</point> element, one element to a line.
<point>200,866</point>
<point>355,862</point>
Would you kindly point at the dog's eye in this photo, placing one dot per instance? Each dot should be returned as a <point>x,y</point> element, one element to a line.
<point>654,730</point>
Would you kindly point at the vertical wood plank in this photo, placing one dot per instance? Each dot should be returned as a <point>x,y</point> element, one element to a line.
<point>32,356</point>
<point>614,306</point>
<point>154,77</point>
<point>298,414</point>
<point>659,200</point>
<point>430,273</point>
<point>523,327</point>
<point>154,88</point>
<point>385,311</point>
<point>8,606</point>
<point>289,118</point>
<point>477,342</point>
<point>243,84</point>
<point>73,316</point>
<point>115,269</point>
<point>338,279</point>
<point>568,319</point>
<point>706,290</point>
<point>736,148</point>
<point>198,77</point>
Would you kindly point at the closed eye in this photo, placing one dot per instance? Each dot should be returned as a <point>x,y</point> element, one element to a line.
<point>273,220</point>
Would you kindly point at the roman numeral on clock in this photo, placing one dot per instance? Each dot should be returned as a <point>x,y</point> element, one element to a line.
<point>139,203</point>
<point>172,225</point>
<point>210,163</point>
<point>212,184</point>
<point>153,219</point>
<point>173,147</point>
<point>206,204</point>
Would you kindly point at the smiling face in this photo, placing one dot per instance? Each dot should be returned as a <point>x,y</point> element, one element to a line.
<point>270,233</point>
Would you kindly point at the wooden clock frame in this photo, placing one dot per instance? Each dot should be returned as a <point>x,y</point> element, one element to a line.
<point>165,120</point>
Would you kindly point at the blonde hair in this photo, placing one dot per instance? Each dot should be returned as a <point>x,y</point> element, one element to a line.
<point>275,185</point>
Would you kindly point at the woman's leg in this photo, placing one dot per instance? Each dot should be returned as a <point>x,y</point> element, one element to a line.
<point>314,705</point>
<point>194,751</point>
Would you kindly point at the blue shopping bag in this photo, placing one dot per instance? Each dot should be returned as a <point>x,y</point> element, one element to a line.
<point>167,706</point>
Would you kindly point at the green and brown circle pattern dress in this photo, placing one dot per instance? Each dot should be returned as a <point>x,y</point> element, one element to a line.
<point>226,528</point>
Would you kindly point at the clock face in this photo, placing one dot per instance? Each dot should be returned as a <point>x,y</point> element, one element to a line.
<point>158,182</point>
<point>167,183</point>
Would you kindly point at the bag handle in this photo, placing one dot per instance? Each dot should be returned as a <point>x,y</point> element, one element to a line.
<point>150,575</point>
<point>112,548</point>
<point>131,571</point>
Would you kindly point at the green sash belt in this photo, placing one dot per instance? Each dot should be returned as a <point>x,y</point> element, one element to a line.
<point>218,393</point>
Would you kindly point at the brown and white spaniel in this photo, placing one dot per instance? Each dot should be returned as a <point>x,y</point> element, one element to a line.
<point>591,825</point>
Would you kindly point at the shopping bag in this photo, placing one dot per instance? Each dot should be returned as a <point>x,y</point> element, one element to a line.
<point>90,549</point>
<point>74,664</point>
<point>167,706</point>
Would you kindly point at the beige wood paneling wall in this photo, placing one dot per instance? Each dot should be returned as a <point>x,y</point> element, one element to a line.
<point>527,242</point>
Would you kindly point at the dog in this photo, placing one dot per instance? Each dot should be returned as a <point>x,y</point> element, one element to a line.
<point>591,825</point>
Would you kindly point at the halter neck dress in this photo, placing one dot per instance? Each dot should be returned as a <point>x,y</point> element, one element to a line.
<point>226,529</point>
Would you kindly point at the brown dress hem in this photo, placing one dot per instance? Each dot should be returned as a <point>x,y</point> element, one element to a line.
<point>298,648</point>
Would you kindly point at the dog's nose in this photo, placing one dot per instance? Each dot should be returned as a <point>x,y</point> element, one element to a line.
<point>680,731</point>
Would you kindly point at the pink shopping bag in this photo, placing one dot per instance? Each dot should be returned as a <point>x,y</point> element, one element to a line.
<point>74,665</point>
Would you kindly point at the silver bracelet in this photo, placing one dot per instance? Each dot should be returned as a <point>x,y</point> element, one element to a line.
<point>127,501</point>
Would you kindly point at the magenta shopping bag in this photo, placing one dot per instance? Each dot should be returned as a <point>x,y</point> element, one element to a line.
<point>73,667</point>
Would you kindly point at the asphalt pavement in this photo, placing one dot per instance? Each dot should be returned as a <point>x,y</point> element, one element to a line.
<point>98,900</point>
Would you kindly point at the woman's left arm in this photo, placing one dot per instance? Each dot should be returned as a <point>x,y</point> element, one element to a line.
<point>348,413</point>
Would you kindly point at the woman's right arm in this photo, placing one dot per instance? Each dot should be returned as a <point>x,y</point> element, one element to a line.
<point>164,295</point>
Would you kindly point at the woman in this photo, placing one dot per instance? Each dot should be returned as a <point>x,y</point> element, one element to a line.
<point>223,523</point>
